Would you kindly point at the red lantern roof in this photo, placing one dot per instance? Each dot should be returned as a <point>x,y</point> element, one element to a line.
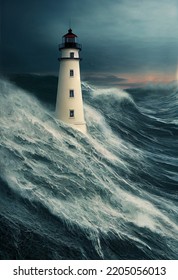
<point>70,34</point>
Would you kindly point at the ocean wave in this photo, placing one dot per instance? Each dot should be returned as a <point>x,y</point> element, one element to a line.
<point>114,188</point>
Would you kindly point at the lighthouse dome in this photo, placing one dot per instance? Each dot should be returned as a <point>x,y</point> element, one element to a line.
<point>69,40</point>
<point>70,34</point>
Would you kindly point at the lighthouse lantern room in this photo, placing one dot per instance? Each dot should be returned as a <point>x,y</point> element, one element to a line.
<point>69,104</point>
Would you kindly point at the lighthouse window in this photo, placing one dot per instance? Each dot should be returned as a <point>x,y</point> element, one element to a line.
<point>71,113</point>
<point>70,40</point>
<point>71,93</point>
<point>71,73</point>
<point>72,55</point>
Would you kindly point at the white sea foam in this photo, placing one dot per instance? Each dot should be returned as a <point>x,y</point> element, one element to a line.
<point>76,178</point>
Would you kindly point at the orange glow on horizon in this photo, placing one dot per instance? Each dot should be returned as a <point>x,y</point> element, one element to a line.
<point>152,77</point>
<point>142,79</point>
<point>126,80</point>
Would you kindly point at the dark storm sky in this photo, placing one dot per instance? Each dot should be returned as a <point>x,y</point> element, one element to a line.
<point>123,40</point>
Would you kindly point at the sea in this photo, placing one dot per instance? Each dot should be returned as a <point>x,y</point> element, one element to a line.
<point>108,195</point>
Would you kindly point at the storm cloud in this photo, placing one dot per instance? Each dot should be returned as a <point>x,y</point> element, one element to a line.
<point>118,36</point>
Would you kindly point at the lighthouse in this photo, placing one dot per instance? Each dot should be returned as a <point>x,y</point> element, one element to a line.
<point>69,103</point>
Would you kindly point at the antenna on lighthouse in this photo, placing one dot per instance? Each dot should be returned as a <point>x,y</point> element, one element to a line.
<point>70,24</point>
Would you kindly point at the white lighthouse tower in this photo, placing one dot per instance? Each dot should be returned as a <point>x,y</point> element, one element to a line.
<point>69,104</point>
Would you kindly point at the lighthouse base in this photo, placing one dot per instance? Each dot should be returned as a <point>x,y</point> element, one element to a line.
<point>62,116</point>
<point>80,126</point>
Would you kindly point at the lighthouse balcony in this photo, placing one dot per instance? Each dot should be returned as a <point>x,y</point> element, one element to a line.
<point>69,45</point>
